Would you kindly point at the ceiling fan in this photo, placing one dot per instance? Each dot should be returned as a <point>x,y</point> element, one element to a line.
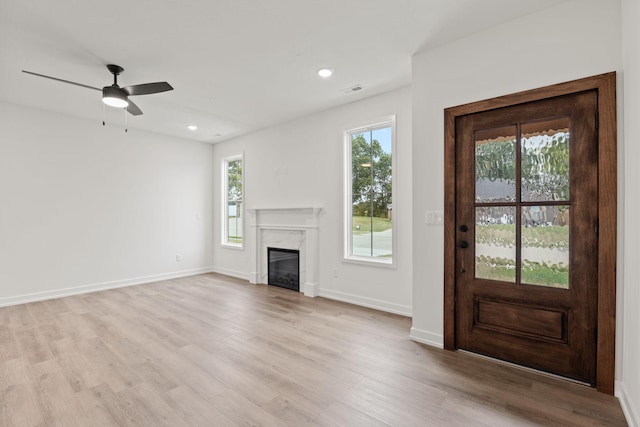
<point>116,96</point>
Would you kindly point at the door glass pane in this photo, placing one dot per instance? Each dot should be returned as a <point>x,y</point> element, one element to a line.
<point>495,159</point>
<point>545,246</point>
<point>545,160</point>
<point>495,243</point>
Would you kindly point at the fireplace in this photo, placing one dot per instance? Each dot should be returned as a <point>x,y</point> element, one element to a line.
<point>293,228</point>
<point>283,267</point>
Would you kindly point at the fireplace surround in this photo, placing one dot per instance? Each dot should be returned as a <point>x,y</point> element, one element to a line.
<point>293,228</point>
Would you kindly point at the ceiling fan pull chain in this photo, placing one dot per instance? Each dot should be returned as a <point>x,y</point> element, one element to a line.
<point>125,120</point>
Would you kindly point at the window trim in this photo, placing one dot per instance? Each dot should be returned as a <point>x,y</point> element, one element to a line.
<point>347,243</point>
<point>225,203</point>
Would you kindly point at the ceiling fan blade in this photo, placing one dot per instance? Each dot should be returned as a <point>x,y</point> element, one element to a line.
<point>133,109</point>
<point>148,88</point>
<point>61,80</point>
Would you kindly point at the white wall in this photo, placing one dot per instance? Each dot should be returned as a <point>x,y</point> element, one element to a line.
<point>300,163</point>
<point>84,206</point>
<point>573,40</point>
<point>629,386</point>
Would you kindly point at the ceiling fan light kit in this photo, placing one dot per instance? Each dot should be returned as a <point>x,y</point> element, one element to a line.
<point>113,97</point>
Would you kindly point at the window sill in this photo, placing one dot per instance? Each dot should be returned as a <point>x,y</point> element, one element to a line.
<point>372,262</point>
<point>237,247</point>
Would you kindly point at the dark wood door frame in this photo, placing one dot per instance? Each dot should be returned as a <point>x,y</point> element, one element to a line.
<point>605,85</point>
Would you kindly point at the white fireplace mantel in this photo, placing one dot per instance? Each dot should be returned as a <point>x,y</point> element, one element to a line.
<point>286,228</point>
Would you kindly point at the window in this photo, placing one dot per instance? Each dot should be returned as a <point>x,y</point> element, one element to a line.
<point>232,178</point>
<point>369,171</point>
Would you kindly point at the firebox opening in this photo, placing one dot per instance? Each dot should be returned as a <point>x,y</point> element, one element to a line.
<point>284,268</point>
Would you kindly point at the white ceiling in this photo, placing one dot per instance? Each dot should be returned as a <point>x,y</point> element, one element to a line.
<point>236,65</point>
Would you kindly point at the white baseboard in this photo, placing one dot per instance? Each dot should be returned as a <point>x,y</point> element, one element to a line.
<point>233,273</point>
<point>631,412</point>
<point>84,289</point>
<point>403,310</point>
<point>426,337</point>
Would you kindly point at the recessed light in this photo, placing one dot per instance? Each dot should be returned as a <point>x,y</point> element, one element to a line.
<point>192,127</point>
<point>325,72</point>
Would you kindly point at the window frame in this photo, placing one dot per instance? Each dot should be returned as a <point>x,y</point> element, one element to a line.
<point>225,202</point>
<point>347,241</point>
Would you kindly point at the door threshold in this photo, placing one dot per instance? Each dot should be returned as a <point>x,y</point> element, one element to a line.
<point>526,368</point>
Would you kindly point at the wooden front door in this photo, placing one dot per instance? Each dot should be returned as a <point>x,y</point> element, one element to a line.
<point>527,244</point>
<point>526,234</point>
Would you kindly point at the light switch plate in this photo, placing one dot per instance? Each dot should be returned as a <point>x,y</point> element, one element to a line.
<point>433,217</point>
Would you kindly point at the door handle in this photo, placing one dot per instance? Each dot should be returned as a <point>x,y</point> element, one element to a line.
<point>463,244</point>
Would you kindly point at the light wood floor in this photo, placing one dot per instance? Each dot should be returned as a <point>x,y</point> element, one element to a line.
<point>210,350</point>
